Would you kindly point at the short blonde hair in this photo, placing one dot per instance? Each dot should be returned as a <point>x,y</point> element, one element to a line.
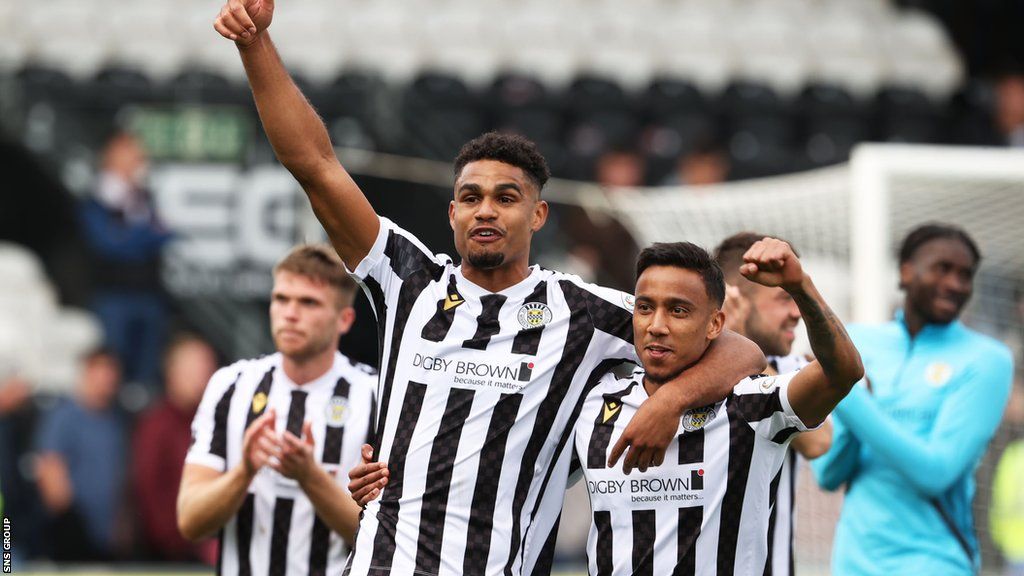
<point>320,263</point>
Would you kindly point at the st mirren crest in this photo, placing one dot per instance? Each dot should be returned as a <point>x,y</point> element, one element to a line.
<point>534,315</point>
<point>259,402</point>
<point>336,412</point>
<point>697,418</point>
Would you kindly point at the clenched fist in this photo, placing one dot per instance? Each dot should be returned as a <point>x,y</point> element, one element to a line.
<point>772,262</point>
<point>243,20</point>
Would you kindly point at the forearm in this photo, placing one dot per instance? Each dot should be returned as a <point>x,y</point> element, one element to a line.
<point>332,504</point>
<point>728,360</point>
<point>928,466</point>
<point>293,127</point>
<point>833,349</point>
<point>839,464</point>
<point>206,504</point>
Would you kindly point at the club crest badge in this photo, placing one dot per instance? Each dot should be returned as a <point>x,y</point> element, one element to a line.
<point>259,402</point>
<point>937,374</point>
<point>336,412</point>
<point>534,315</point>
<point>697,418</point>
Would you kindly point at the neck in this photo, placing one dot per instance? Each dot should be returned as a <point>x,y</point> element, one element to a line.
<point>913,321</point>
<point>650,387</point>
<point>305,370</point>
<point>496,279</point>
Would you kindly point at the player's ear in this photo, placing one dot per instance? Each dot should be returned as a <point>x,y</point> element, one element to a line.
<point>540,216</point>
<point>451,214</point>
<point>906,273</point>
<point>346,319</point>
<point>716,324</point>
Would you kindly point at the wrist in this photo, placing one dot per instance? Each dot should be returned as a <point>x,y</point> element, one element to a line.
<point>804,286</point>
<point>310,477</point>
<point>252,42</point>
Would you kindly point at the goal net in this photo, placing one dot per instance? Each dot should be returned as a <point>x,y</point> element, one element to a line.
<point>847,222</point>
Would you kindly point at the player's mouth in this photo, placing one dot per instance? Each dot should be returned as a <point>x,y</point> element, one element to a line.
<point>657,352</point>
<point>289,333</point>
<point>947,304</point>
<point>486,234</point>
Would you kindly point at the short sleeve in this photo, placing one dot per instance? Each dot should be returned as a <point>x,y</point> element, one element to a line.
<point>209,426</point>
<point>763,401</point>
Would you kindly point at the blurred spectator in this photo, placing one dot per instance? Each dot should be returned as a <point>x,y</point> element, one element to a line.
<point>20,501</point>
<point>599,242</point>
<point>126,237</point>
<point>622,168</point>
<point>162,438</point>
<point>707,163</point>
<point>1006,514</point>
<point>1010,109</point>
<point>80,464</point>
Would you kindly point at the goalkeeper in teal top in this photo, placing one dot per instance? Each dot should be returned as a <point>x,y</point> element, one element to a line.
<point>906,442</point>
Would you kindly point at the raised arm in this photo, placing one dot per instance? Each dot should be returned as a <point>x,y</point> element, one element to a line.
<point>297,133</point>
<point>820,385</point>
<point>729,359</point>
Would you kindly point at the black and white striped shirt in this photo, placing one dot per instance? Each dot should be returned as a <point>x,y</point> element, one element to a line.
<point>478,394</point>
<point>781,523</point>
<point>705,509</point>
<point>276,532</point>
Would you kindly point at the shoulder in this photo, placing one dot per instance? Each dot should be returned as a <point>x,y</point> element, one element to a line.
<point>762,383</point>
<point>242,371</point>
<point>356,372</point>
<point>987,352</point>
<point>399,242</point>
<point>621,299</point>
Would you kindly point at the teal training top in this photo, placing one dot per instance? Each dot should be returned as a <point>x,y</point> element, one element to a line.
<point>936,401</point>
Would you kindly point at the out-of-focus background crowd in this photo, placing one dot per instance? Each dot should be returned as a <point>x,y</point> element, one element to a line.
<point>141,207</point>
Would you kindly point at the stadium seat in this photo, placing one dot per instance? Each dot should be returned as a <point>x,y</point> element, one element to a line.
<point>439,114</point>
<point>208,87</point>
<point>743,99</point>
<point>116,86</point>
<point>907,115</point>
<point>669,97</point>
<point>522,103</point>
<point>588,96</point>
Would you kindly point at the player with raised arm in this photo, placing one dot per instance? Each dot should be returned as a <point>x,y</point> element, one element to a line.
<point>706,509</point>
<point>768,315</point>
<point>484,363</point>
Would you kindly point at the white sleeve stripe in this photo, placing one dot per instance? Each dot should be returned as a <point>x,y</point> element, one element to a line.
<point>206,459</point>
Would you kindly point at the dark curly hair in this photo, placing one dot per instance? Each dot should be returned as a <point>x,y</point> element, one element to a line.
<point>511,149</point>
<point>927,232</point>
<point>688,256</point>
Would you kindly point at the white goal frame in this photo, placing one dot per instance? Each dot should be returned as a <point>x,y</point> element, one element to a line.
<point>872,167</point>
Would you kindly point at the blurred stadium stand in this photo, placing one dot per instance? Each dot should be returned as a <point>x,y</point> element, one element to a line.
<point>788,84</point>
